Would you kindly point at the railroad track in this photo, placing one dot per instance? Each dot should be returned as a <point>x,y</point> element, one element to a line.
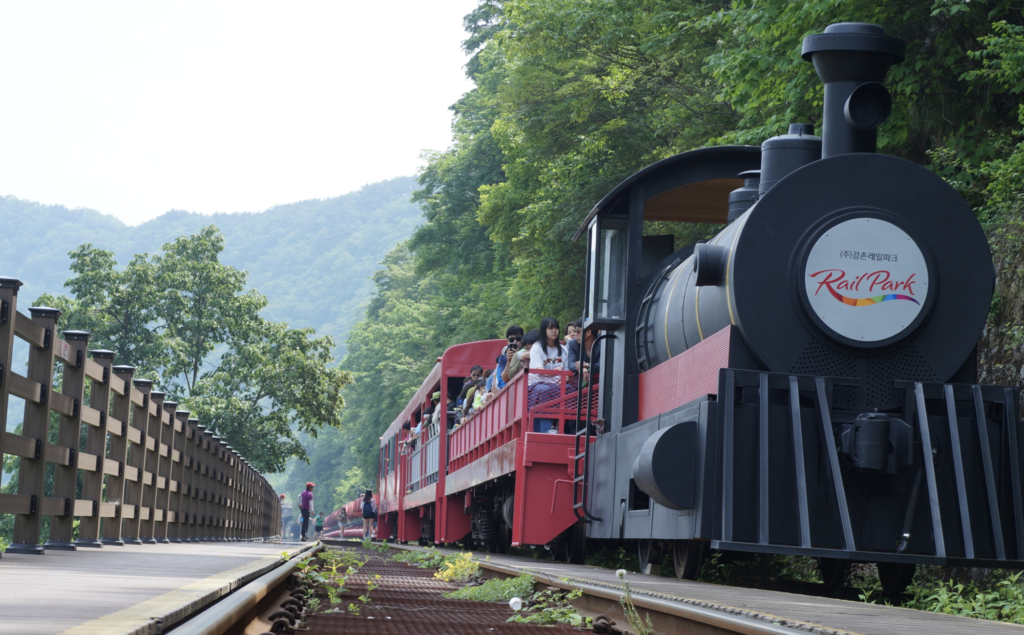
<point>408,601</point>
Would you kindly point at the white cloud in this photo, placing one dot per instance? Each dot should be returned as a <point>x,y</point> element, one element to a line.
<point>135,108</point>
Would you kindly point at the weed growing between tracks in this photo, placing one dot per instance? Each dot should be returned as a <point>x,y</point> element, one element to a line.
<point>411,599</point>
<point>495,590</point>
<point>451,567</point>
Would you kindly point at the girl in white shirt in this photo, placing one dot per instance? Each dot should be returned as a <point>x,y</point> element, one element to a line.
<point>546,354</point>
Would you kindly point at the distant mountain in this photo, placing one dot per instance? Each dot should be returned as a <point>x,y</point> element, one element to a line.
<point>312,259</point>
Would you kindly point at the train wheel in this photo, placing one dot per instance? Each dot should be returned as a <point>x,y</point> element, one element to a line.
<point>834,572</point>
<point>895,577</point>
<point>687,557</point>
<point>649,554</point>
<point>577,543</point>
<point>504,538</point>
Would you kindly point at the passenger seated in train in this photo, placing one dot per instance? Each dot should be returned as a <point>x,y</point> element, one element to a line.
<point>514,335</point>
<point>576,359</point>
<point>521,358</point>
<point>405,445</point>
<point>571,331</point>
<point>450,413</point>
<point>547,354</point>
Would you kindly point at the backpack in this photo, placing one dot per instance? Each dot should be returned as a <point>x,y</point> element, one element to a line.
<point>367,508</point>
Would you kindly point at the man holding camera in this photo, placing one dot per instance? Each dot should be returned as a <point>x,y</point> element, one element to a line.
<point>514,334</point>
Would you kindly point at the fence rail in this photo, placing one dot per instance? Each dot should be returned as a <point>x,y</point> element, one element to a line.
<point>129,465</point>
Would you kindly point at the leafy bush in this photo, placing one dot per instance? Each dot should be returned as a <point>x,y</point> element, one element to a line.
<point>495,590</point>
<point>429,559</point>
<point>609,558</point>
<point>457,567</point>
<point>997,595</point>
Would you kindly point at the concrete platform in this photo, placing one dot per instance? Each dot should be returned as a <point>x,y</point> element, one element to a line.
<point>132,589</point>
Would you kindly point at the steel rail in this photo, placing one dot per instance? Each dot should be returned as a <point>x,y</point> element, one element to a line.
<point>711,617</point>
<point>220,617</point>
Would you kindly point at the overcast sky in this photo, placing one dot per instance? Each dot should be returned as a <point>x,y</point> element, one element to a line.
<point>136,108</point>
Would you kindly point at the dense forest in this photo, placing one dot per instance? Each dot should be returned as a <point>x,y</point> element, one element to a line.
<point>572,96</point>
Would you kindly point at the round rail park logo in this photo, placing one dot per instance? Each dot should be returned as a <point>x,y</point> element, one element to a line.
<point>866,279</point>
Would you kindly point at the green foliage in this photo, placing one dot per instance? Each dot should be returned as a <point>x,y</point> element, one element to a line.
<point>327,575</point>
<point>271,385</point>
<point>758,570</point>
<point>552,606</point>
<point>453,566</point>
<point>1002,600</point>
<point>203,306</point>
<point>457,567</point>
<point>427,559</point>
<point>351,485</point>
<point>570,97</point>
<point>611,558</point>
<point>495,590</point>
<point>174,309</point>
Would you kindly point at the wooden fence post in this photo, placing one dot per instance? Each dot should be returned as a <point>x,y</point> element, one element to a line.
<point>66,454</point>
<point>121,432</point>
<point>136,464</point>
<point>96,416</point>
<point>151,442</point>
<point>233,492</point>
<point>192,479</point>
<point>221,486</point>
<point>8,310</point>
<point>176,495</point>
<point>163,479</point>
<point>202,466</point>
<point>35,427</point>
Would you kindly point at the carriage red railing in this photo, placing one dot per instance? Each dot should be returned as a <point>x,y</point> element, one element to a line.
<point>421,465</point>
<point>553,395</point>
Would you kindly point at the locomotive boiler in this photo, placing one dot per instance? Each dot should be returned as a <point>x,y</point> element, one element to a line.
<point>804,382</point>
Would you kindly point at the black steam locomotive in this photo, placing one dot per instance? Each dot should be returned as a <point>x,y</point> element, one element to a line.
<point>805,382</point>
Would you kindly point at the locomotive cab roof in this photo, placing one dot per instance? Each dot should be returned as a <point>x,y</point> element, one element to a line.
<point>690,187</point>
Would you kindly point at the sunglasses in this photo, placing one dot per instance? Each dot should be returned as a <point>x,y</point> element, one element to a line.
<point>515,339</point>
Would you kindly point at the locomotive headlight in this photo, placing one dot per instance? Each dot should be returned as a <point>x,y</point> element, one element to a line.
<point>868,106</point>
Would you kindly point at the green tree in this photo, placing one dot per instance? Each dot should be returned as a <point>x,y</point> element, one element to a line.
<point>274,384</point>
<point>203,305</point>
<point>119,307</point>
<point>351,485</point>
<point>185,319</point>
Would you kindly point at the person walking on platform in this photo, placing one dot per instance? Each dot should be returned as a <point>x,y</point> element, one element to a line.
<point>306,508</point>
<point>369,514</point>
<point>287,513</point>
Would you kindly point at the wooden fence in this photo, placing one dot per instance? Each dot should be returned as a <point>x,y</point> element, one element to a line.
<point>142,472</point>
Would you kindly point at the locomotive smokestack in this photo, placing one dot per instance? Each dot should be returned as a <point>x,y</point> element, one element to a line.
<point>851,59</point>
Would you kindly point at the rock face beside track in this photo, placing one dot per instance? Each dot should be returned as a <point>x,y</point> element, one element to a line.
<point>409,601</point>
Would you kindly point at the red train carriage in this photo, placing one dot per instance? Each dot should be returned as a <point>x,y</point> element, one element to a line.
<point>492,479</point>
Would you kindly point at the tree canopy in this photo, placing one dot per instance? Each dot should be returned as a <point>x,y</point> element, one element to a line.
<point>185,320</point>
<point>570,97</point>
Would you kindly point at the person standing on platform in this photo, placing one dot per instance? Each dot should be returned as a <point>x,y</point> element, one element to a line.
<point>318,527</point>
<point>306,508</point>
<point>369,514</point>
<point>287,513</point>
